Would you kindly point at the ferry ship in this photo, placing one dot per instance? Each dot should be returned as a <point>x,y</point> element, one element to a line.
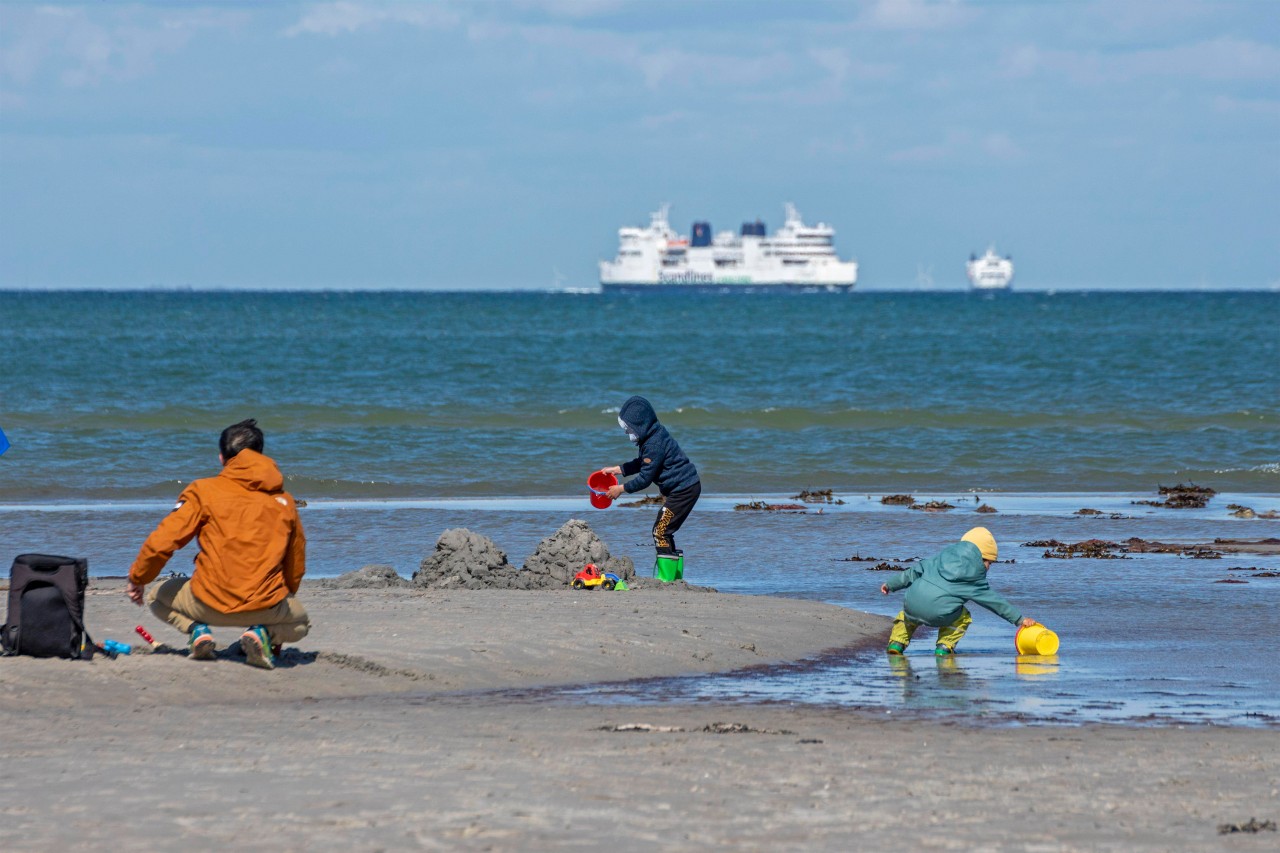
<point>797,258</point>
<point>990,272</point>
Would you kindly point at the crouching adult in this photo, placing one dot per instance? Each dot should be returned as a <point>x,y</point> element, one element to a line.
<point>251,558</point>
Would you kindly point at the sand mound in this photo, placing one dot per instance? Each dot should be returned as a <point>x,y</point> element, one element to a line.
<point>563,554</point>
<point>466,560</point>
<point>367,577</point>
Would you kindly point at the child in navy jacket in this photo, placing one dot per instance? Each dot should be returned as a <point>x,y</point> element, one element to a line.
<point>660,461</point>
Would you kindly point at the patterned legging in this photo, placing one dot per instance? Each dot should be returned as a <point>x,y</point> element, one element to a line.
<point>675,509</point>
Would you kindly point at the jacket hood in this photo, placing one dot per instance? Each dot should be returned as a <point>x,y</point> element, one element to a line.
<point>640,416</point>
<point>961,562</point>
<point>253,471</point>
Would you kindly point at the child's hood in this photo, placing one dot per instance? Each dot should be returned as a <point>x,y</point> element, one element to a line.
<point>961,563</point>
<point>640,416</point>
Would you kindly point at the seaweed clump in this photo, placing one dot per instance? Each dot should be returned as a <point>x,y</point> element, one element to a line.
<point>933,506</point>
<point>647,500</point>
<point>1247,512</point>
<point>886,564</point>
<point>1190,496</point>
<point>761,506</point>
<point>1252,825</point>
<point>1095,549</point>
<point>1198,552</point>
<point>818,496</point>
<point>898,500</point>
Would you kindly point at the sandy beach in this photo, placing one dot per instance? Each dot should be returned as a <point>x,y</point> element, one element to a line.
<point>410,720</point>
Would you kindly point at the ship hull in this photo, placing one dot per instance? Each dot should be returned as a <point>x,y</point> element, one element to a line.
<point>778,287</point>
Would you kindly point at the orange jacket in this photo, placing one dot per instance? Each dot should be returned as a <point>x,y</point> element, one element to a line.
<point>252,548</point>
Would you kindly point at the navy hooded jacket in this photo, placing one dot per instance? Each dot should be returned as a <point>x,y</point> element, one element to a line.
<point>661,460</point>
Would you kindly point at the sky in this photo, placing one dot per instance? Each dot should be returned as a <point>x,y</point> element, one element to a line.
<point>500,145</point>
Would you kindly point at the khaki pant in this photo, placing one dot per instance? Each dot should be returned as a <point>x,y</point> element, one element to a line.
<point>948,635</point>
<point>173,601</point>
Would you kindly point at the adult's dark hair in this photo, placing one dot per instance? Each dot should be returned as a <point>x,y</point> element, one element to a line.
<point>239,436</point>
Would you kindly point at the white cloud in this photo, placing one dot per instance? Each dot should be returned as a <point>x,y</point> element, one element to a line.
<point>1002,147</point>
<point>571,8</point>
<point>1225,58</point>
<point>961,144</point>
<point>665,120</point>
<point>84,46</point>
<point>674,66</point>
<point>934,153</point>
<point>915,14</point>
<point>334,19</point>
<point>1258,107</point>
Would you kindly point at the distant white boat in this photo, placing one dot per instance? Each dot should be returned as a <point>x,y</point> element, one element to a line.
<point>990,272</point>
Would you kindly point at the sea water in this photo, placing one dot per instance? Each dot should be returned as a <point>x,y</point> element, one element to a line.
<point>396,416</point>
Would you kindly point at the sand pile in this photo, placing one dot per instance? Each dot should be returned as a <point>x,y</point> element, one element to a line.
<point>367,577</point>
<point>563,554</point>
<point>467,560</point>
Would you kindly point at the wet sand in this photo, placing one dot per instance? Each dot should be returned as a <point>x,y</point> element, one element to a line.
<point>409,720</point>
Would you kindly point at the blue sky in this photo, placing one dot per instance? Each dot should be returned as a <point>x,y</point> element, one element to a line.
<point>1122,143</point>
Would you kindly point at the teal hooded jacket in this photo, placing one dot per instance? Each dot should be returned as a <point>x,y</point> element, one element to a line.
<point>938,587</point>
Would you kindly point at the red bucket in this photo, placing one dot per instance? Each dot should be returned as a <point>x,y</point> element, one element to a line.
<point>599,484</point>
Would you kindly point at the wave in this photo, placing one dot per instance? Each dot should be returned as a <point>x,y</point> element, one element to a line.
<point>294,418</point>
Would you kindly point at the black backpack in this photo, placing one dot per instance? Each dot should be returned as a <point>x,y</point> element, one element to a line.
<point>46,608</point>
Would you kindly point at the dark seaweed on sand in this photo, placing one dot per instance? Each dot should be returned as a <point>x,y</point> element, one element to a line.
<point>817,496</point>
<point>933,506</point>
<point>761,506</point>
<point>1189,496</point>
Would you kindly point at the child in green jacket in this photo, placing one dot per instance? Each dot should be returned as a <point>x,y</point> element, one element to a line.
<point>938,587</point>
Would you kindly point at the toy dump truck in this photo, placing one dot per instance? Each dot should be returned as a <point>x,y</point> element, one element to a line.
<point>591,577</point>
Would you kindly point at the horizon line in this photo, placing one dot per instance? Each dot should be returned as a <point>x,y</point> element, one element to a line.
<point>596,291</point>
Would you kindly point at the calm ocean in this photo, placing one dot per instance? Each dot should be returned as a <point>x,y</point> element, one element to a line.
<point>398,415</point>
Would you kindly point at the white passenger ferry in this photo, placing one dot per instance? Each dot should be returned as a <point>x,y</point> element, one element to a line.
<point>797,257</point>
<point>990,272</point>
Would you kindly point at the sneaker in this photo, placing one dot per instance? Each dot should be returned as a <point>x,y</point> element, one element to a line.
<point>201,645</point>
<point>256,645</point>
<point>942,651</point>
<point>896,648</point>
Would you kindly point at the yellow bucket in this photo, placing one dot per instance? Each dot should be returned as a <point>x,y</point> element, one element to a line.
<point>1036,640</point>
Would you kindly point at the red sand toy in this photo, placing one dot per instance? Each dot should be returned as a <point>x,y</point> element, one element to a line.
<point>599,483</point>
<point>151,641</point>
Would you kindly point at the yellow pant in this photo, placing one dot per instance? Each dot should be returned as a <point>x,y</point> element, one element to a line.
<point>948,635</point>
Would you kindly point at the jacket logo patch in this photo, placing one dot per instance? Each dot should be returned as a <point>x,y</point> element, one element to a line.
<point>281,501</point>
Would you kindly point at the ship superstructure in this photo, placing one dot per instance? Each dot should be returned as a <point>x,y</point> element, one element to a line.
<point>990,272</point>
<point>797,257</point>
